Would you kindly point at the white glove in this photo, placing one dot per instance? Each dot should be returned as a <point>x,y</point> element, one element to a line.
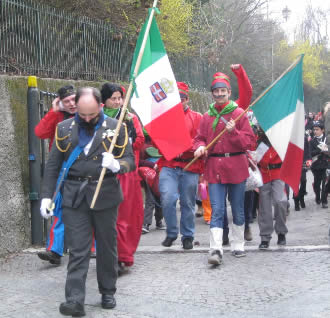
<point>43,208</point>
<point>110,162</point>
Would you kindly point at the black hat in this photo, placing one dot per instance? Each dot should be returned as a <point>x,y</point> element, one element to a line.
<point>66,91</point>
<point>319,124</point>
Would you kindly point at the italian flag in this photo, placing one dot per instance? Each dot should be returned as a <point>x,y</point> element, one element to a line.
<point>281,114</point>
<point>156,98</point>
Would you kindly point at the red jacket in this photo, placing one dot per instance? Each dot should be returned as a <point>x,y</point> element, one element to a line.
<point>192,121</point>
<point>47,125</point>
<point>244,88</point>
<point>271,157</point>
<point>228,169</point>
<point>139,140</point>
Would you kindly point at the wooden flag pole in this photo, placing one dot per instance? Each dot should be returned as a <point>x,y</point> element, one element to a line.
<point>246,110</point>
<point>127,98</point>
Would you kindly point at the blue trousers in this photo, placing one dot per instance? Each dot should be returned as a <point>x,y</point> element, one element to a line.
<point>174,184</point>
<point>218,193</point>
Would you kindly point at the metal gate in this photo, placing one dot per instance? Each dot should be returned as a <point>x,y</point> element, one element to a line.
<point>38,103</point>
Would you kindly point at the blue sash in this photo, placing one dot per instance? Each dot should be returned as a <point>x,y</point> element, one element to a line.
<point>66,165</point>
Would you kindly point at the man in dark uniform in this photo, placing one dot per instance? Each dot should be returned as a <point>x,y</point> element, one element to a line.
<point>80,148</point>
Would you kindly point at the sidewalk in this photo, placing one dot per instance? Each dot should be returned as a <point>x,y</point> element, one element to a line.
<point>172,283</point>
<point>307,227</point>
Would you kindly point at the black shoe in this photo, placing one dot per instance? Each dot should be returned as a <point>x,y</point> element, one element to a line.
<point>264,245</point>
<point>145,229</point>
<point>318,201</point>
<point>187,243</point>
<point>160,226</point>
<point>108,301</point>
<point>324,205</point>
<point>239,254</point>
<point>51,257</point>
<point>168,241</point>
<point>215,258</point>
<point>72,309</point>
<point>281,239</point>
<point>296,204</point>
<point>122,269</point>
<point>302,203</point>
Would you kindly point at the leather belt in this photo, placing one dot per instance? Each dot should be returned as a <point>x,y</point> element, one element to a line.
<point>183,160</point>
<point>88,178</point>
<point>274,166</point>
<point>227,154</point>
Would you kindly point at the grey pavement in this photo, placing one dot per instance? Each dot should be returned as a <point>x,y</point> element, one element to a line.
<point>308,226</point>
<point>281,283</point>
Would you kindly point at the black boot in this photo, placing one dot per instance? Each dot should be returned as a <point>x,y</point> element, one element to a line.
<point>51,257</point>
<point>225,236</point>
<point>302,202</point>
<point>296,204</point>
<point>72,309</point>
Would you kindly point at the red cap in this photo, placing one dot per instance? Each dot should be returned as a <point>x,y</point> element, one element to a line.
<point>123,89</point>
<point>183,89</point>
<point>220,80</point>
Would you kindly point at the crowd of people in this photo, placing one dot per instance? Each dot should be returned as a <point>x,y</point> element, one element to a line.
<point>81,125</point>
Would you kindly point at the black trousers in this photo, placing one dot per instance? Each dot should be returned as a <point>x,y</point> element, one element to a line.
<point>303,183</point>
<point>319,184</point>
<point>79,224</point>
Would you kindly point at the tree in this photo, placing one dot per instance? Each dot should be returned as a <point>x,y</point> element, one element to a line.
<point>174,23</point>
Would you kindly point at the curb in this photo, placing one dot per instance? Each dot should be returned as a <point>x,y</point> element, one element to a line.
<point>176,249</point>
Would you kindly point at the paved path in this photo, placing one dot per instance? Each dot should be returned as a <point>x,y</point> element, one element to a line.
<point>292,282</point>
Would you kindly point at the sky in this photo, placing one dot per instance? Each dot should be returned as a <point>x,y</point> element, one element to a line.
<point>297,8</point>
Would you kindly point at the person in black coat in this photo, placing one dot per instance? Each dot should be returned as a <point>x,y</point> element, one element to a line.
<point>320,163</point>
<point>299,201</point>
<point>80,148</point>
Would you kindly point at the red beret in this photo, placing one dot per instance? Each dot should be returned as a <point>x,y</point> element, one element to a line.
<point>123,89</point>
<point>220,80</point>
<point>183,89</point>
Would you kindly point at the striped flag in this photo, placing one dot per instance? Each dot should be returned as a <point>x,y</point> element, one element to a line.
<point>156,98</point>
<point>281,114</point>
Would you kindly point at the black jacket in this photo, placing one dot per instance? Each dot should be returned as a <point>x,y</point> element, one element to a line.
<point>74,191</point>
<point>320,160</point>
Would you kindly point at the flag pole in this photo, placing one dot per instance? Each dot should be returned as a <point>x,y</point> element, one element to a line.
<point>127,98</point>
<point>247,109</point>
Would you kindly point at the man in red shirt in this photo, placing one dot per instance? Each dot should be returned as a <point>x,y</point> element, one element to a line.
<point>63,107</point>
<point>176,183</point>
<point>271,193</point>
<point>226,166</point>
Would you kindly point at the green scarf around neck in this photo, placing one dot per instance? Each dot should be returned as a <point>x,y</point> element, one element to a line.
<point>111,112</point>
<point>226,110</point>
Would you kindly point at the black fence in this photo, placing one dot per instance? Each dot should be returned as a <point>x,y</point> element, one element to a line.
<point>43,41</point>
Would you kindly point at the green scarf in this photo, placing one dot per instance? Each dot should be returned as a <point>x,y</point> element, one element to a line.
<point>226,110</point>
<point>111,112</point>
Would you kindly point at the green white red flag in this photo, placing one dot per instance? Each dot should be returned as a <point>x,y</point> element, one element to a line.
<point>156,98</point>
<point>281,114</point>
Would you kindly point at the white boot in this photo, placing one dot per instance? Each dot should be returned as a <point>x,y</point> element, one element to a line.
<point>216,251</point>
<point>237,239</point>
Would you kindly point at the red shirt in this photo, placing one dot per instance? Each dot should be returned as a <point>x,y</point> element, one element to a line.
<point>47,125</point>
<point>228,169</point>
<point>139,140</point>
<point>192,121</point>
<point>270,157</point>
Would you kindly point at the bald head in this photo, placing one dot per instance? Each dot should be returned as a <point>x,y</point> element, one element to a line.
<point>88,101</point>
